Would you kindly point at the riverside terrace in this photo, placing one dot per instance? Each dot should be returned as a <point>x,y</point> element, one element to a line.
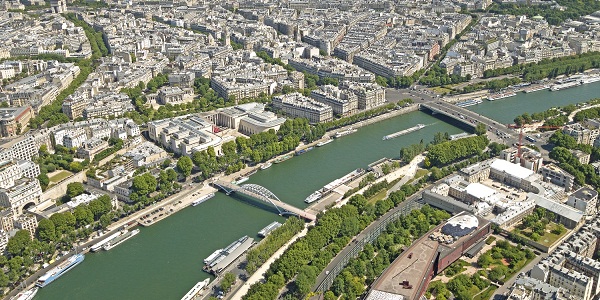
<point>409,275</point>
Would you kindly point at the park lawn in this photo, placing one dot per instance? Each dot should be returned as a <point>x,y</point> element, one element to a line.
<point>511,273</point>
<point>474,290</point>
<point>379,196</point>
<point>487,294</point>
<point>547,239</point>
<point>440,90</point>
<point>518,268</point>
<point>420,173</point>
<point>60,176</point>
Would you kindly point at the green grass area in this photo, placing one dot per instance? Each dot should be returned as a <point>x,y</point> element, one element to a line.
<point>487,294</point>
<point>440,90</point>
<point>517,269</point>
<point>379,196</point>
<point>504,260</point>
<point>420,173</point>
<point>60,176</point>
<point>547,239</point>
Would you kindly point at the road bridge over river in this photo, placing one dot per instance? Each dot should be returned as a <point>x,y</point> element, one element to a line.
<point>261,193</point>
<point>470,118</point>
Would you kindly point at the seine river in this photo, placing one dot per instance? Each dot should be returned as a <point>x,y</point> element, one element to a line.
<point>165,260</point>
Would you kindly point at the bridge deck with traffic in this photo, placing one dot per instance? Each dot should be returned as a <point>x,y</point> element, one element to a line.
<point>260,193</point>
<point>467,117</point>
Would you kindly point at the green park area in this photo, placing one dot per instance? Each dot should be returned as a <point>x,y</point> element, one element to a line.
<point>504,260</point>
<point>497,265</point>
<point>441,90</point>
<point>541,228</point>
<point>57,176</point>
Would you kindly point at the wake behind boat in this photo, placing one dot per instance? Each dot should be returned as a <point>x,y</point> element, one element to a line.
<point>403,132</point>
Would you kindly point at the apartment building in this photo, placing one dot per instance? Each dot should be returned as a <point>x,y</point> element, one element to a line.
<point>26,191</point>
<point>298,106</point>
<point>343,102</point>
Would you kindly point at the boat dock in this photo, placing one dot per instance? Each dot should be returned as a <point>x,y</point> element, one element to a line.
<point>229,255</point>
<point>328,188</point>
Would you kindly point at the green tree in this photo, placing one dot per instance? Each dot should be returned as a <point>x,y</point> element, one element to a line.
<point>83,216</point>
<point>436,173</point>
<point>105,220</point>
<point>64,223</point>
<point>329,295</point>
<point>166,163</point>
<point>485,260</point>
<point>18,243</point>
<point>75,189</point>
<point>359,201</point>
<point>185,165</point>
<point>44,181</point>
<point>480,129</point>
<point>498,273</point>
<point>440,137</point>
<point>171,175</point>
<point>3,280</point>
<point>97,208</point>
<point>144,184</point>
<point>46,231</point>
<point>227,281</point>
<point>305,280</point>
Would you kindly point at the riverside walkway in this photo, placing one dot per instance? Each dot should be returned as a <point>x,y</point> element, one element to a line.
<point>258,192</point>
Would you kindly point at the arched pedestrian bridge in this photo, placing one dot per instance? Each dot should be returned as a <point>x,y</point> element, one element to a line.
<point>261,193</point>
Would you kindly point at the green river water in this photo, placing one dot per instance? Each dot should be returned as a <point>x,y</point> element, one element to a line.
<point>165,260</point>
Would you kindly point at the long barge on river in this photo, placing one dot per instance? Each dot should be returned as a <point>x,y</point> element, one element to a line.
<point>98,246</point>
<point>536,88</point>
<point>120,239</point>
<point>268,229</point>
<point>60,270</point>
<point>468,103</point>
<point>328,188</point>
<point>498,96</point>
<point>197,289</point>
<point>222,258</point>
<point>283,158</point>
<point>403,132</point>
